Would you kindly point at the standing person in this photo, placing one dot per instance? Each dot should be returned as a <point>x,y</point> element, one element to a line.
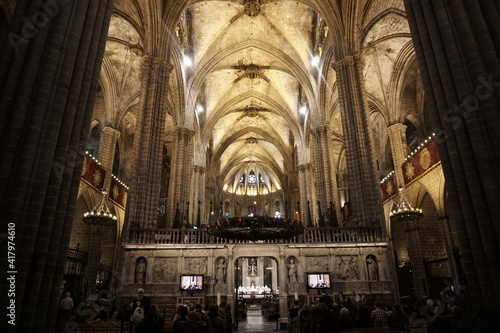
<point>325,299</point>
<point>217,323</point>
<point>379,316</point>
<point>149,324</point>
<point>229,318</point>
<point>305,318</point>
<point>66,307</point>
<point>145,301</point>
<point>293,316</point>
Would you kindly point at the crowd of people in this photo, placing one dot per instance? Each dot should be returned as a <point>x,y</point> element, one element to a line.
<point>326,315</point>
<point>335,315</point>
<point>217,319</point>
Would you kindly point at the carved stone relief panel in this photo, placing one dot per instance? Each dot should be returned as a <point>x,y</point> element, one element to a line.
<point>195,265</point>
<point>347,268</point>
<point>165,270</point>
<point>317,264</point>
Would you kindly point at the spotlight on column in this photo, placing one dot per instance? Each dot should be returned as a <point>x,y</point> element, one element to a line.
<point>188,62</point>
<point>315,61</point>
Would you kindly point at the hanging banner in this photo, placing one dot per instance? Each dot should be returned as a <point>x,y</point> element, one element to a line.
<point>388,188</point>
<point>118,192</point>
<point>421,162</point>
<point>93,173</point>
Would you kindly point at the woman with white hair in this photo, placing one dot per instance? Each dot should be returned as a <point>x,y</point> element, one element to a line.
<point>345,320</point>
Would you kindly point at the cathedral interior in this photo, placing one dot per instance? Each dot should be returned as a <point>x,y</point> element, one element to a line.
<point>361,137</point>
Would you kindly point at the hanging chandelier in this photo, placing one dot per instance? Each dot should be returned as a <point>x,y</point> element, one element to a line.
<point>404,211</point>
<point>100,214</point>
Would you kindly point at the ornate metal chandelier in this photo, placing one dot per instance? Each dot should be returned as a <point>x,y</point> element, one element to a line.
<point>100,214</point>
<point>404,211</point>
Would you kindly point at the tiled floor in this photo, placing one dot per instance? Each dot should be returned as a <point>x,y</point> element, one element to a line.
<point>256,322</point>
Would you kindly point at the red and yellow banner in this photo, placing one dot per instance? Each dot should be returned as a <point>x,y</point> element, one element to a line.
<point>421,162</point>
<point>93,174</point>
<point>118,192</point>
<point>388,188</point>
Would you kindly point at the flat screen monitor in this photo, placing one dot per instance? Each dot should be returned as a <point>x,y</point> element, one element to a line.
<point>191,283</point>
<point>318,281</point>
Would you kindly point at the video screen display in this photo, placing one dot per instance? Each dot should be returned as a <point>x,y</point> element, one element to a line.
<point>318,281</point>
<point>191,283</point>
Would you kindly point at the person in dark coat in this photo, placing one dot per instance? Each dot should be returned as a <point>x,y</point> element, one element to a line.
<point>148,324</point>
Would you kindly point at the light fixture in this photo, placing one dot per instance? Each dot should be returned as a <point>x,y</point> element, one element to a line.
<point>315,61</point>
<point>303,109</point>
<point>199,108</point>
<point>187,61</point>
<point>404,211</point>
<point>100,214</point>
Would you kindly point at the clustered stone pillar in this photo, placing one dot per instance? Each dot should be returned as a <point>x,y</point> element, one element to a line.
<point>180,178</point>
<point>198,194</point>
<point>364,189</point>
<point>327,189</point>
<point>305,192</point>
<point>142,203</point>
<point>457,48</point>
<point>93,260</point>
<point>47,95</point>
<point>416,258</point>
<point>107,149</point>
<point>399,149</point>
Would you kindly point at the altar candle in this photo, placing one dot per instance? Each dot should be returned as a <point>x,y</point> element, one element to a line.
<point>297,216</point>
<point>255,208</point>
<point>296,296</point>
<point>218,299</point>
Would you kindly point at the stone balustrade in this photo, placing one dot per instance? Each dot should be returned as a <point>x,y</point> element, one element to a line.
<point>310,236</point>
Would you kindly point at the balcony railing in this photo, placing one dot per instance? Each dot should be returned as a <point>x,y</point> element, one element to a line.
<point>311,235</point>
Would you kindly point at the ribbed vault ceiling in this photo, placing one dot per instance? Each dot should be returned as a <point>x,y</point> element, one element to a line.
<point>251,73</point>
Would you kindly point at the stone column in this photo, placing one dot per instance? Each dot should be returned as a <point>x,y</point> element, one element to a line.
<point>304,180</point>
<point>107,149</point>
<point>49,74</point>
<point>399,149</point>
<point>142,203</point>
<point>416,258</point>
<point>230,275</point>
<point>180,179</point>
<point>198,195</point>
<point>448,243</point>
<point>93,261</point>
<point>456,43</point>
<point>326,182</point>
<point>283,284</point>
<point>364,188</point>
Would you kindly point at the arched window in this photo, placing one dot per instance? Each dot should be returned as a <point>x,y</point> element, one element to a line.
<point>116,161</point>
<point>94,141</point>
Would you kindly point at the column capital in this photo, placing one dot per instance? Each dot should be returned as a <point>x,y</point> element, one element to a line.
<point>156,62</point>
<point>347,61</point>
<point>323,128</point>
<point>400,127</point>
<point>199,168</point>
<point>111,130</point>
<point>183,131</point>
<point>305,167</point>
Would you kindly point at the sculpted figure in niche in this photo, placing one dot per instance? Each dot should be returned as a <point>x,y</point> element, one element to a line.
<point>372,267</point>
<point>220,273</point>
<point>140,271</point>
<point>292,270</point>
